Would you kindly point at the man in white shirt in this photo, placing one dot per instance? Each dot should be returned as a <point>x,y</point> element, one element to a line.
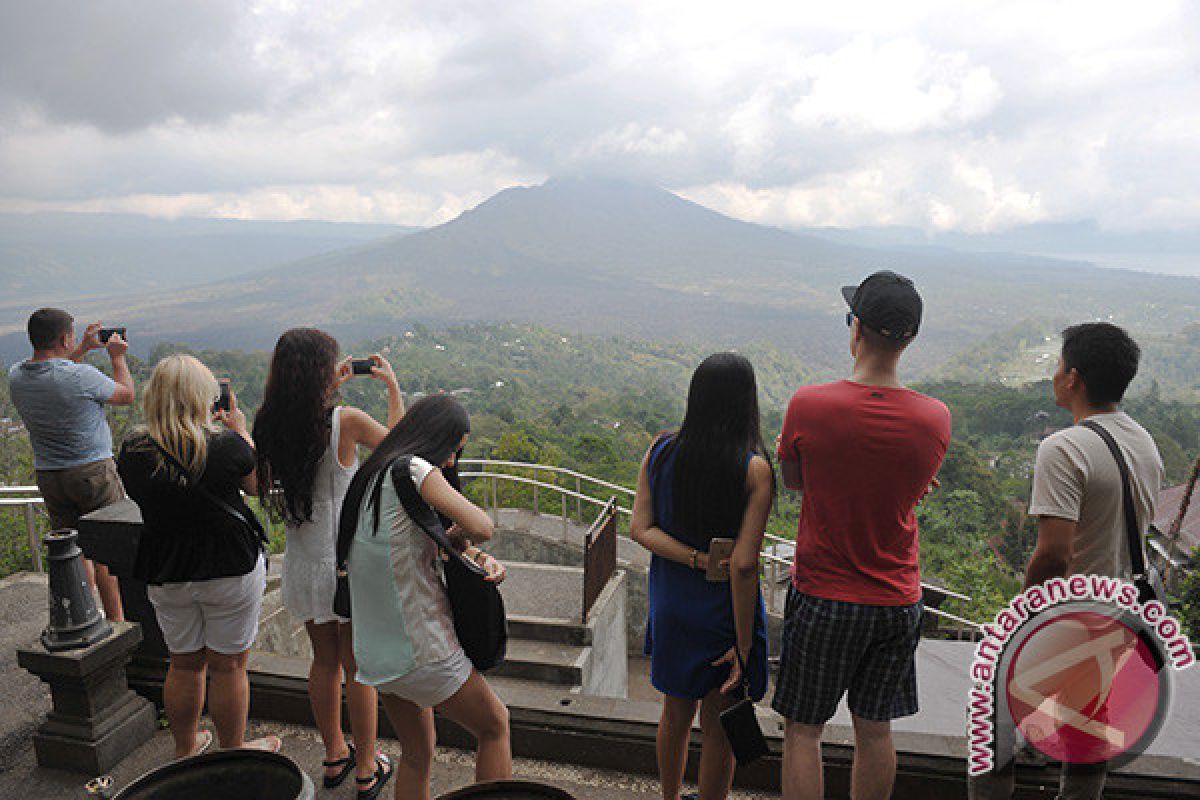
<point>1076,482</point>
<point>1077,494</point>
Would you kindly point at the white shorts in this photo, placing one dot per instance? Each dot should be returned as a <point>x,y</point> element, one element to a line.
<point>220,614</point>
<point>432,684</point>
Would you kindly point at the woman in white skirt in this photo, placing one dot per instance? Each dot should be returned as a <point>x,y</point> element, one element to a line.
<point>307,451</point>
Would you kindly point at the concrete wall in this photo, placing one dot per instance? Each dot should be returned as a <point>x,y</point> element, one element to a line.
<point>538,547</point>
<point>523,539</point>
<point>607,672</point>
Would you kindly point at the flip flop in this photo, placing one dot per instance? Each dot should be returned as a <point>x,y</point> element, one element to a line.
<point>204,740</point>
<point>346,764</point>
<point>268,744</point>
<point>383,771</point>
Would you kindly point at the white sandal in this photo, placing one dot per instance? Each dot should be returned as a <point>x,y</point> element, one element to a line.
<point>267,744</point>
<point>204,740</point>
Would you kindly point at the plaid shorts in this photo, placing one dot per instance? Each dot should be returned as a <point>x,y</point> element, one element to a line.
<point>832,647</point>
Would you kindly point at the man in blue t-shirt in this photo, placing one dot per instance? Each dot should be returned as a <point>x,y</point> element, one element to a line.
<point>61,402</point>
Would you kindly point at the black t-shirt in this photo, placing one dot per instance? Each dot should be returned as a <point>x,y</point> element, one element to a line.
<point>187,536</point>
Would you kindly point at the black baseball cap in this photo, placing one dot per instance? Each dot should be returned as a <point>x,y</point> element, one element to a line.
<point>886,303</point>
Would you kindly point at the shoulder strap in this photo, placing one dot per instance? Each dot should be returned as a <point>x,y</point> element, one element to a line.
<point>1136,558</point>
<point>203,491</point>
<point>350,514</point>
<point>421,513</point>
<point>335,432</point>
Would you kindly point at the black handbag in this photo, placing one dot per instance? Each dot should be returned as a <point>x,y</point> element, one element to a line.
<point>740,723</point>
<point>475,602</point>
<point>1146,578</point>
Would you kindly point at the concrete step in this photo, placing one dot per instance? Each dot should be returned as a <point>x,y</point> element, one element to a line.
<point>544,629</point>
<point>543,602</point>
<point>543,590</point>
<point>547,662</point>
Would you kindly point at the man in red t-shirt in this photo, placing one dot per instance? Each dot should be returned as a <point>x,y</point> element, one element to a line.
<point>864,451</point>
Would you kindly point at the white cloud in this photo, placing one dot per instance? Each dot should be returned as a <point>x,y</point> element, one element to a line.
<point>897,88</point>
<point>971,115</point>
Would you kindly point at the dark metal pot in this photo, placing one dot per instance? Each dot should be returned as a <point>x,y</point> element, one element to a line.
<point>508,790</point>
<point>226,774</point>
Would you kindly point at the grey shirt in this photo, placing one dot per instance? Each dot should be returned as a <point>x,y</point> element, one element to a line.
<point>1076,478</point>
<point>62,406</point>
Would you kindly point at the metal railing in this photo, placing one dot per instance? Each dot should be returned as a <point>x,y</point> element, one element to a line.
<point>775,568</point>
<point>492,476</point>
<point>28,499</point>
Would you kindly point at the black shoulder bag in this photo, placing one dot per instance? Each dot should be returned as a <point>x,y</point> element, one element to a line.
<point>254,527</point>
<point>740,722</point>
<point>1147,579</point>
<point>475,603</point>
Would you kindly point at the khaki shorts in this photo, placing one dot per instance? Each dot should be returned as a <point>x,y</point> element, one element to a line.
<point>70,493</point>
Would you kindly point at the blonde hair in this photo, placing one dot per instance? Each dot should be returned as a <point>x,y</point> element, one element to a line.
<point>178,408</point>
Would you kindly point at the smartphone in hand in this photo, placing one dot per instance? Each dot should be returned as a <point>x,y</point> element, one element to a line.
<point>719,553</point>
<point>104,334</point>
<point>222,403</point>
<point>361,366</point>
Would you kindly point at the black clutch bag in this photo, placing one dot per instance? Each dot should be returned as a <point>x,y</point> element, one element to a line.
<point>740,723</point>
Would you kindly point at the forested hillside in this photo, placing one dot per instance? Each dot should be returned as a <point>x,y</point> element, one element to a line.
<point>595,403</point>
<point>1028,351</point>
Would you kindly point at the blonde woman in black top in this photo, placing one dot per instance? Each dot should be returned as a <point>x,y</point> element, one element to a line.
<point>204,566</point>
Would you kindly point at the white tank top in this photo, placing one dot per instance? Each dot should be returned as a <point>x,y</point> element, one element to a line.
<point>309,561</point>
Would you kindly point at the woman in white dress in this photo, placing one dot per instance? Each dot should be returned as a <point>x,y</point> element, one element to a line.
<point>307,451</point>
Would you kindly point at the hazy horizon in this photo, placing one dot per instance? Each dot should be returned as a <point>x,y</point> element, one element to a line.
<point>1179,255</point>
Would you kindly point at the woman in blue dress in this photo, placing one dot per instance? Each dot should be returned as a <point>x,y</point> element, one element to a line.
<point>712,478</point>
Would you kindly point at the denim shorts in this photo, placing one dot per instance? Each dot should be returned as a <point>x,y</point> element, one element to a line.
<point>831,648</point>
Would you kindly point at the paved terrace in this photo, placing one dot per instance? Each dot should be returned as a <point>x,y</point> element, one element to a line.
<point>24,700</point>
<point>569,732</point>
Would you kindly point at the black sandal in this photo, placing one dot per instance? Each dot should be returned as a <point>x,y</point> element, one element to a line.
<point>347,764</point>
<point>383,772</point>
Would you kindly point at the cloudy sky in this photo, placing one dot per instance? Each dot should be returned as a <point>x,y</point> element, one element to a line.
<point>963,115</point>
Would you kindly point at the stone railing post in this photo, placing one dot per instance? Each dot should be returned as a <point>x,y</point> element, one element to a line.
<point>96,720</point>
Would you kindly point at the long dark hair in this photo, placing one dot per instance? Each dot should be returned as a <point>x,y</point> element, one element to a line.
<point>720,431</point>
<point>432,428</point>
<point>291,428</point>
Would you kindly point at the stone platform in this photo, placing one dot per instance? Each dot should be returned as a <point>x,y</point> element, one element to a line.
<point>21,778</point>
<point>24,701</point>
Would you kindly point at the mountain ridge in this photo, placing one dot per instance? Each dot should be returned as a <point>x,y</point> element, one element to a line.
<point>605,256</point>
